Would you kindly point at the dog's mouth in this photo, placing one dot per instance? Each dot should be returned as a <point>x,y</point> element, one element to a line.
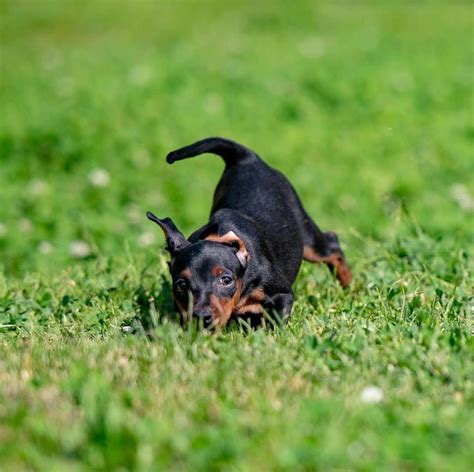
<point>216,315</point>
<point>209,320</point>
<point>204,320</point>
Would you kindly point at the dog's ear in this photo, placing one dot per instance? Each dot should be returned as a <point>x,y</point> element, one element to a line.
<point>206,230</point>
<point>174,238</point>
<point>231,239</point>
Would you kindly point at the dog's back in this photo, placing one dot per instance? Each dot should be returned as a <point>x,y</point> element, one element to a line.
<point>252,188</point>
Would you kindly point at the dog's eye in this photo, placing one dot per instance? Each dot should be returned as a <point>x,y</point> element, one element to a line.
<point>181,285</point>
<point>226,280</point>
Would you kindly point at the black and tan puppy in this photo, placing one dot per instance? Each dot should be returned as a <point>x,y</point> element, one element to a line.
<point>246,258</point>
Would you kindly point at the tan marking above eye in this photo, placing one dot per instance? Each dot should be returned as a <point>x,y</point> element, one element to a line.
<point>217,270</point>
<point>186,273</point>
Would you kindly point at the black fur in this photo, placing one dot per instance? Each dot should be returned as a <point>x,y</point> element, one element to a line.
<point>259,205</point>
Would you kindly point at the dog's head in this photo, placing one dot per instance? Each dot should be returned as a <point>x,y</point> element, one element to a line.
<point>207,275</point>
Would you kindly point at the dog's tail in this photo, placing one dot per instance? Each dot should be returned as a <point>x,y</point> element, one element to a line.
<point>232,152</point>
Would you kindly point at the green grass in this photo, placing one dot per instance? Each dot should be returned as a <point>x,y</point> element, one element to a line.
<point>367,109</point>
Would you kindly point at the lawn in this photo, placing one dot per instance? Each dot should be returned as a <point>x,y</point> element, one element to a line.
<point>366,107</point>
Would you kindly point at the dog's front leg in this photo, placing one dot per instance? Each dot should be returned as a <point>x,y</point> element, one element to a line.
<point>279,306</point>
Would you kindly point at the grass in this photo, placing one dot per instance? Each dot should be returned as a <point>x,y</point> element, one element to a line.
<point>366,108</point>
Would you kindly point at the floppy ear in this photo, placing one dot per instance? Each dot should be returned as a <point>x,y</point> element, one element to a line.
<point>231,239</point>
<point>174,238</point>
<point>204,232</point>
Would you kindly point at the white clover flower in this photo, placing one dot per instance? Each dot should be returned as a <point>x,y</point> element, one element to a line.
<point>37,187</point>
<point>3,230</point>
<point>52,60</point>
<point>79,249</point>
<point>146,239</point>
<point>371,394</point>
<point>312,47</point>
<point>99,178</point>
<point>212,103</point>
<point>64,86</point>
<point>140,74</point>
<point>403,81</point>
<point>134,214</point>
<point>462,196</point>
<point>355,449</point>
<point>25,225</point>
<point>141,158</point>
<point>44,247</point>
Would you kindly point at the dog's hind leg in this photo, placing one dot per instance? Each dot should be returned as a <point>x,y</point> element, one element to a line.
<point>324,247</point>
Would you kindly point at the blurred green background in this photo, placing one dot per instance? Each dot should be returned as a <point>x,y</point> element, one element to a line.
<point>367,107</point>
<point>364,107</point>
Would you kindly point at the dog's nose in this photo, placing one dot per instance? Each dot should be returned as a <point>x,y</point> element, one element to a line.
<point>206,318</point>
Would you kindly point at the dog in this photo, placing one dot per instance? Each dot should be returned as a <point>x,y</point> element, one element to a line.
<point>244,261</point>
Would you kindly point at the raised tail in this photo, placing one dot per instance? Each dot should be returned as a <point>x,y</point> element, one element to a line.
<point>230,151</point>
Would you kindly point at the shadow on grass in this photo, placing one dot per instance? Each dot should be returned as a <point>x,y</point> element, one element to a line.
<point>155,306</point>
